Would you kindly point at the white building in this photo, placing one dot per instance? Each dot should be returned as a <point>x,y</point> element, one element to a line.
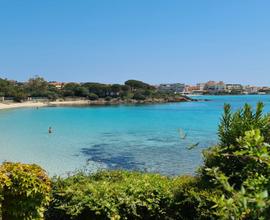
<point>174,87</point>
<point>250,89</point>
<point>200,86</point>
<point>212,86</point>
<point>234,88</point>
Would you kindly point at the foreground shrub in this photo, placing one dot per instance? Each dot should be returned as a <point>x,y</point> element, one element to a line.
<point>125,195</point>
<point>192,200</point>
<point>233,126</point>
<point>111,195</point>
<point>25,191</point>
<point>252,200</point>
<point>240,165</point>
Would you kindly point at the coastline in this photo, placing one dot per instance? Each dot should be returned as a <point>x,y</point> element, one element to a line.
<point>32,104</point>
<point>22,105</point>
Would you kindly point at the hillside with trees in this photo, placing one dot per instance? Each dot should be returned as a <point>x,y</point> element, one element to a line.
<point>131,90</point>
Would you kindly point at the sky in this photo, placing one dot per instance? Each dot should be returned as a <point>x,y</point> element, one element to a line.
<point>156,41</point>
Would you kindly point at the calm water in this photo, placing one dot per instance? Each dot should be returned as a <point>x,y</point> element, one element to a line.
<point>129,137</point>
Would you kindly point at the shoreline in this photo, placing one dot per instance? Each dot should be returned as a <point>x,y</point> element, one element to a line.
<point>22,105</point>
<point>101,102</point>
<point>31,104</point>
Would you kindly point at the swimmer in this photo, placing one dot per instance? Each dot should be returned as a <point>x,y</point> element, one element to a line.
<point>50,130</point>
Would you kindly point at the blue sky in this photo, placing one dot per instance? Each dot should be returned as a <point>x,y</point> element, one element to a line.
<point>151,40</point>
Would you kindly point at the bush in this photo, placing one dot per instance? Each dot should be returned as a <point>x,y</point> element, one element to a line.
<point>92,96</point>
<point>130,195</point>
<point>249,200</point>
<point>232,127</point>
<point>20,96</point>
<point>52,96</point>
<point>117,195</point>
<point>108,98</point>
<point>25,191</point>
<point>139,96</point>
<point>240,165</point>
<point>192,200</point>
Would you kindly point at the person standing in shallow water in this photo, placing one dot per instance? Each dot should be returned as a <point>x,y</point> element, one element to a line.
<point>50,130</point>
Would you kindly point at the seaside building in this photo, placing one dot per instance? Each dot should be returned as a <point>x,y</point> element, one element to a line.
<point>174,87</point>
<point>189,89</point>
<point>201,86</point>
<point>58,85</point>
<point>215,87</point>
<point>264,90</point>
<point>250,89</point>
<point>234,88</point>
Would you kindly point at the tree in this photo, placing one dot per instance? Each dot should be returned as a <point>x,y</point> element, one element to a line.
<point>20,96</point>
<point>37,87</point>
<point>101,90</point>
<point>139,96</point>
<point>136,84</point>
<point>8,88</point>
<point>116,89</point>
<point>71,89</point>
<point>92,96</point>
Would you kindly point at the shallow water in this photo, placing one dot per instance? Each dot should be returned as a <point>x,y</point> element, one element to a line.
<point>142,137</point>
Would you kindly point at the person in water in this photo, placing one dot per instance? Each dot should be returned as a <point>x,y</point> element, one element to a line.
<point>50,130</point>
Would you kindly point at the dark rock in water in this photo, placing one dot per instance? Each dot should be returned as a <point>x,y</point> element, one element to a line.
<point>201,100</point>
<point>99,153</point>
<point>204,100</point>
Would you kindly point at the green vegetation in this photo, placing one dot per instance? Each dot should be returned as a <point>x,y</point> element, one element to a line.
<point>240,165</point>
<point>37,87</point>
<point>233,183</point>
<point>111,195</point>
<point>24,191</point>
<point>128,195</point>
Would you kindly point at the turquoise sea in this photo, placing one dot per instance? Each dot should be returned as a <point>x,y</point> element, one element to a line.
<point>134,137</point>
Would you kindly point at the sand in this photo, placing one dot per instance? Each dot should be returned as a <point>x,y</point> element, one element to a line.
<point>30,104</point>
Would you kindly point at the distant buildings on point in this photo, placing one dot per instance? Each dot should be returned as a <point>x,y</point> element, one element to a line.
<point>212,87</point>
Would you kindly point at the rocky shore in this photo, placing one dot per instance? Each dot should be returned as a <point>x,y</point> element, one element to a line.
<point>119,101</point>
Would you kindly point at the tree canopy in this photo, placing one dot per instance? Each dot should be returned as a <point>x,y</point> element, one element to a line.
<point>38,87</point>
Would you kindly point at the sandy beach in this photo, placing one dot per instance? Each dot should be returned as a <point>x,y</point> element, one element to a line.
<point>30,104</point>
